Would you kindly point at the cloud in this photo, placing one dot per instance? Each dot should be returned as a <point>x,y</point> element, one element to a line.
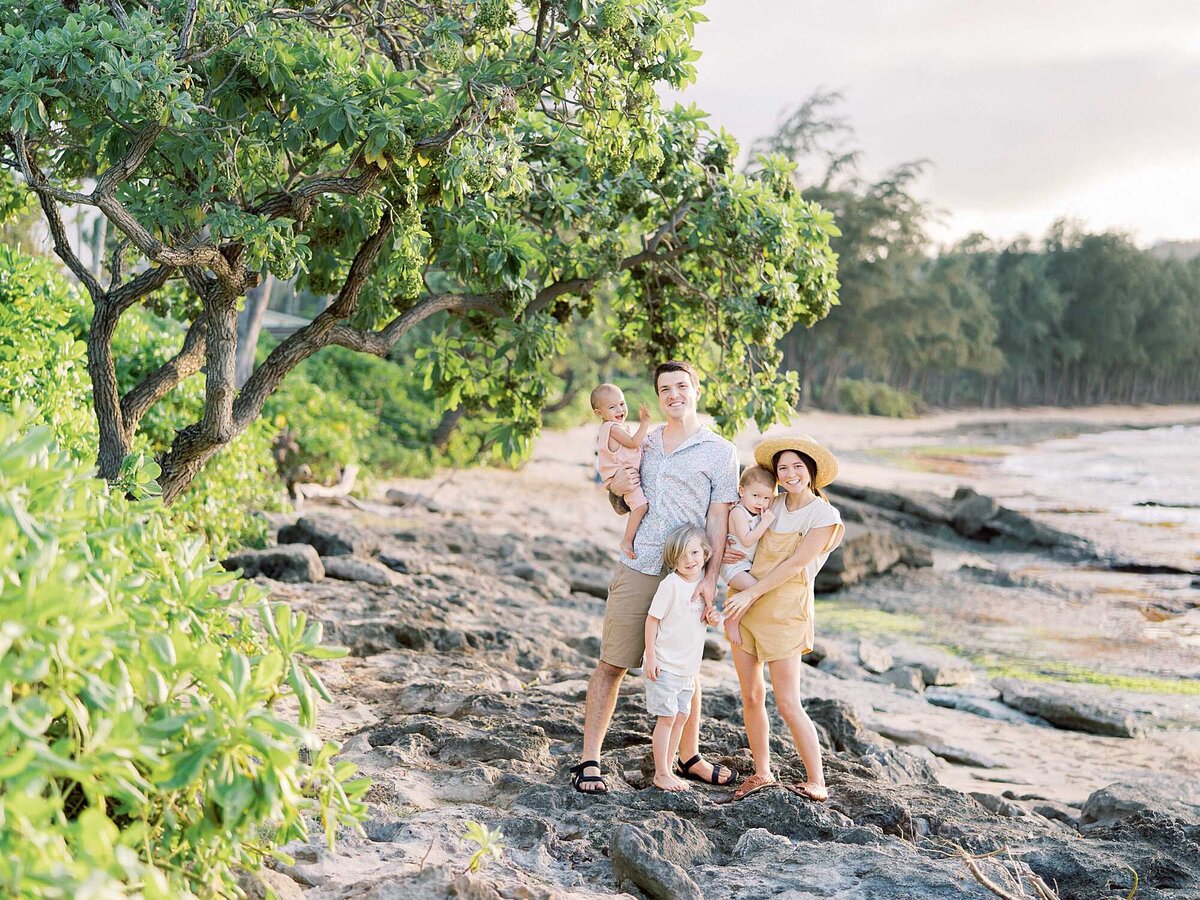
<point>1023,107</point>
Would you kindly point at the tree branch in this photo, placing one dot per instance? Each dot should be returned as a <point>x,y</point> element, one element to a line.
<point>139,286</point>
<point>297,202</point>
<point>381,341</point>
<point>543,9</point>
<point>138,400</point>
<point>313,336</point>
<point>185,33</point>
<point>62,249</point>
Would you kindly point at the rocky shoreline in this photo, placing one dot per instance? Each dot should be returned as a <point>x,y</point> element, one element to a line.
<point>462,699</point>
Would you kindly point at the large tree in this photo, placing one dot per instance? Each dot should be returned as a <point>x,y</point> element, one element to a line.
<point>490,163</point>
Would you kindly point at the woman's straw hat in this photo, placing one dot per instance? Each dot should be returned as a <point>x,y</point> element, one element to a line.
<point>827,464</point>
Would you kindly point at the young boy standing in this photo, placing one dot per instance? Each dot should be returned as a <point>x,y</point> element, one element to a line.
<point>675,628</point>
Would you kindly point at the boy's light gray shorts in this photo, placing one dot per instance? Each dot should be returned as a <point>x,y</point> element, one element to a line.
<point>670,695</point>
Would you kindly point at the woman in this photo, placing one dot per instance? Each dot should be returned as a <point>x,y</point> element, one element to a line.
<point>775,616</point>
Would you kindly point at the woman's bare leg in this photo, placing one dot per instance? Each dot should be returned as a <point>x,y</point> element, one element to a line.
<point>785,679</point>
<point>754,709</point>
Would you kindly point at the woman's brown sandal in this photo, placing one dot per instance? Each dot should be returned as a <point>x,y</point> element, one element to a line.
<point>752,784</point>
<point>685,769</point>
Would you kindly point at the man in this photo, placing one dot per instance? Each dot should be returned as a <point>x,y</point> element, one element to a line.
<point>690,475</point>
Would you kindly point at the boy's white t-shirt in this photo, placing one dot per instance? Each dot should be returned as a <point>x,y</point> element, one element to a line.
<point>680,643</point>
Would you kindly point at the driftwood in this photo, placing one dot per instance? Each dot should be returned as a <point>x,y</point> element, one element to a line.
<point>306,491</point>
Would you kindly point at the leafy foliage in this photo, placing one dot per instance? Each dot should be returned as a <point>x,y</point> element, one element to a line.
<point>483,166</point>
<point>142,748</point>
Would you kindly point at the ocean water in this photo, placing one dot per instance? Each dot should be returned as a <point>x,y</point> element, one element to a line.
<point>1135,491</point>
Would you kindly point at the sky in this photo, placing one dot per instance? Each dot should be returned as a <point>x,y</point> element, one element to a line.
<point>1028,110</point>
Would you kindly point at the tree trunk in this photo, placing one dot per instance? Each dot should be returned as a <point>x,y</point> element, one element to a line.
<point>248,326</point>
<point>105,399</point>
<point>446,427</point>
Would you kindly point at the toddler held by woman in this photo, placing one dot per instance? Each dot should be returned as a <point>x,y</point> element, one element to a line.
<point>749,520</point>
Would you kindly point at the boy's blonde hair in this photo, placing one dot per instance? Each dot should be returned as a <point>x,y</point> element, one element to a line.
<point>600,390</point>
<point>677,542</point>
<point>757,475</point>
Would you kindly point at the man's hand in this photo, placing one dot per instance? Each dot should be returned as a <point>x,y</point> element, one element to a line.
<point>650,668</point>
<point>732,554</point>
<point>626,479</point>
<point>706,592</point>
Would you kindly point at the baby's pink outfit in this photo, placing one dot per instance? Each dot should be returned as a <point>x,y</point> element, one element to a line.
<point>611,461</point>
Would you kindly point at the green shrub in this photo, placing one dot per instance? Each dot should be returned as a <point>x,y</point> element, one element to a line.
<point>141,746</point>
<point>43,364</point>
<point>862,397</point>
<point>345,407</point>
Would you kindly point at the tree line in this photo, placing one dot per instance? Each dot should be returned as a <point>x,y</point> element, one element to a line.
<point>1074,318</point>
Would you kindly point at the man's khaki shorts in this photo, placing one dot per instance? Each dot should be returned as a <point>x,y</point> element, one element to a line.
<point>629,596</point>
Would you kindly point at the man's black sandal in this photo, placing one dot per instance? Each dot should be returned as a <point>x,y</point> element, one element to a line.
<point>578,778</point>
<point>715,778</point>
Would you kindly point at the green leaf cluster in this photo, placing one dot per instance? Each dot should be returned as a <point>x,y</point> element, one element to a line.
<point>143,745</point>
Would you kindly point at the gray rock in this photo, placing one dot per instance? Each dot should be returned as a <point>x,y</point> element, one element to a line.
<point>970,512</point>
<point>874,659</point>
<point>293,563</point>
<point>999,805</point>
<point>907,678</point>
<point>757,843</point>
<point>841,730</point>
<point>714,648</point>
<point>963,756</point>
<point>257,884</point>
<point>823,648</point>
<point>552,585</point>
<point>921,505</point>
<point>981,701</point>
<point>866,552</point>
<point>841,667</point>
<point>406,562</point>
<point>349,568</point>
<point>592,585</point>
<point>527,743</point>
<point>1069,707</point>
<point>636,860</point>
<point>331,537</point>
<point>937,666</point>
<point>398,497</point>
<point>467,886</point>
<point>1175,797</point>
<point>1058,812</point>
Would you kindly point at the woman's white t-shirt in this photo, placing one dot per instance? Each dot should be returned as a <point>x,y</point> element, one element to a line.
<point>816,514</point>
<point>680,643</point>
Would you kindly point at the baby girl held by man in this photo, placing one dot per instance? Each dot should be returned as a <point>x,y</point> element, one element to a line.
<point>618,448</point>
